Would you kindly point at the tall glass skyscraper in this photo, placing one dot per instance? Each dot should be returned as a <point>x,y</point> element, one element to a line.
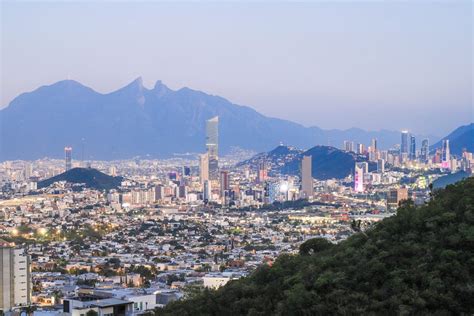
<point>412,147</point>
<point>425,145</point>
<point>446,155</point>
<point>306,177</point>
<point>359,173</point>
<point>212,143</point>
<point>404,143</point>
<point>68,157</point>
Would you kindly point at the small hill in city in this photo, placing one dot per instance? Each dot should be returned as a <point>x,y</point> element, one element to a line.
<point>90,177</point>
<point>418,262</point>
<point>327,163</point>
<point>460,138</point>
<point>274,159</point>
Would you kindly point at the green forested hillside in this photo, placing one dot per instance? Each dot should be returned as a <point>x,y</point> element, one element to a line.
<point>419,262</point>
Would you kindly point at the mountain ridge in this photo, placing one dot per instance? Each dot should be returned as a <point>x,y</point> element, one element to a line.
<point>460,138</point>
<point>137,121</point>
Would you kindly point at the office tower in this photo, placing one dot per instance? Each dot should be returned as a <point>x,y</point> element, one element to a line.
<point>425,149</point>
<point>365,166</point>
<point>373,145</point>
<point>467,161</point>
<point>28,172</point>
<point>224,182</point>
<point>186,171</point>
<point>112,171</point>
<point>412,147</point>
<point>204,167</point>
<point>306,177</point>
<point>404,144</point>
<point>206,193</point>
<point>359,177</point>
<point>262,172</point>
<point>68,156</point>
<point>212,141</point>
<point>349,146</point>
<point>446,155</point>
<point>380,166</point>
<point>182,192</point>
<point>159,192</point>
<point>360,149</point>
<point>395,196</point>
<point>15,278</point>
<point>437,156</point>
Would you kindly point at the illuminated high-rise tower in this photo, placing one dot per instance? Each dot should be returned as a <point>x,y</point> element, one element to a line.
<point>212,143</point>
<point>306,177</point>
<point>412,147</point>
<point>446,154</point>
<point>361,168</point>
<point>425,148</point>
<point>404,145</point>
<point>224,181</point>
<point>373,145</point>
<point>380,165</point>
<point>68,157</point>
<point>204,167</point>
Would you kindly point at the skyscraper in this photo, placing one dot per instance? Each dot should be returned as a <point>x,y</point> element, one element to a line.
<point>224,182</point>
<point>360,170</point>
<point>446,155</point>
<point>425,149</point>
<point>15,278</point>
<point>306,177</point>
<point>395,196</point>
<point>412,147</point>
<point>381,166</point>
<point>207,193</point>
<point>212,142</point>
<point>404,143</point>
<point>68,157</point>
<point>373,145</point>
<point>204,167</point>
<point>262,172</point>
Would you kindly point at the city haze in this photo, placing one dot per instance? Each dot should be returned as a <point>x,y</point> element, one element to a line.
<point>333,65</point>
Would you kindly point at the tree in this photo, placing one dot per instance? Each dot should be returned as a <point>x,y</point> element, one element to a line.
<point>92,312</point>
<point>314,245</point>
<point>417,262</point>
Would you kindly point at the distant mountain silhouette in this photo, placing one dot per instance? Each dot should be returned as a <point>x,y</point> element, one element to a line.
<point>136,121</point>
<point>92,178</point>
<point>328,163</point>
<point>461,137</point>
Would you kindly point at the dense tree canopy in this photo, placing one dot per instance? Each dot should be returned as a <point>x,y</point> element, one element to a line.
<point>417,262</point>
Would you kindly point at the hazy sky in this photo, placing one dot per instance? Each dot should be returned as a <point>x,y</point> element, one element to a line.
<point>374,65</point>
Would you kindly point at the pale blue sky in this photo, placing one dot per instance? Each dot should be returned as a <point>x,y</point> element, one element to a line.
<point>393,65</point>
